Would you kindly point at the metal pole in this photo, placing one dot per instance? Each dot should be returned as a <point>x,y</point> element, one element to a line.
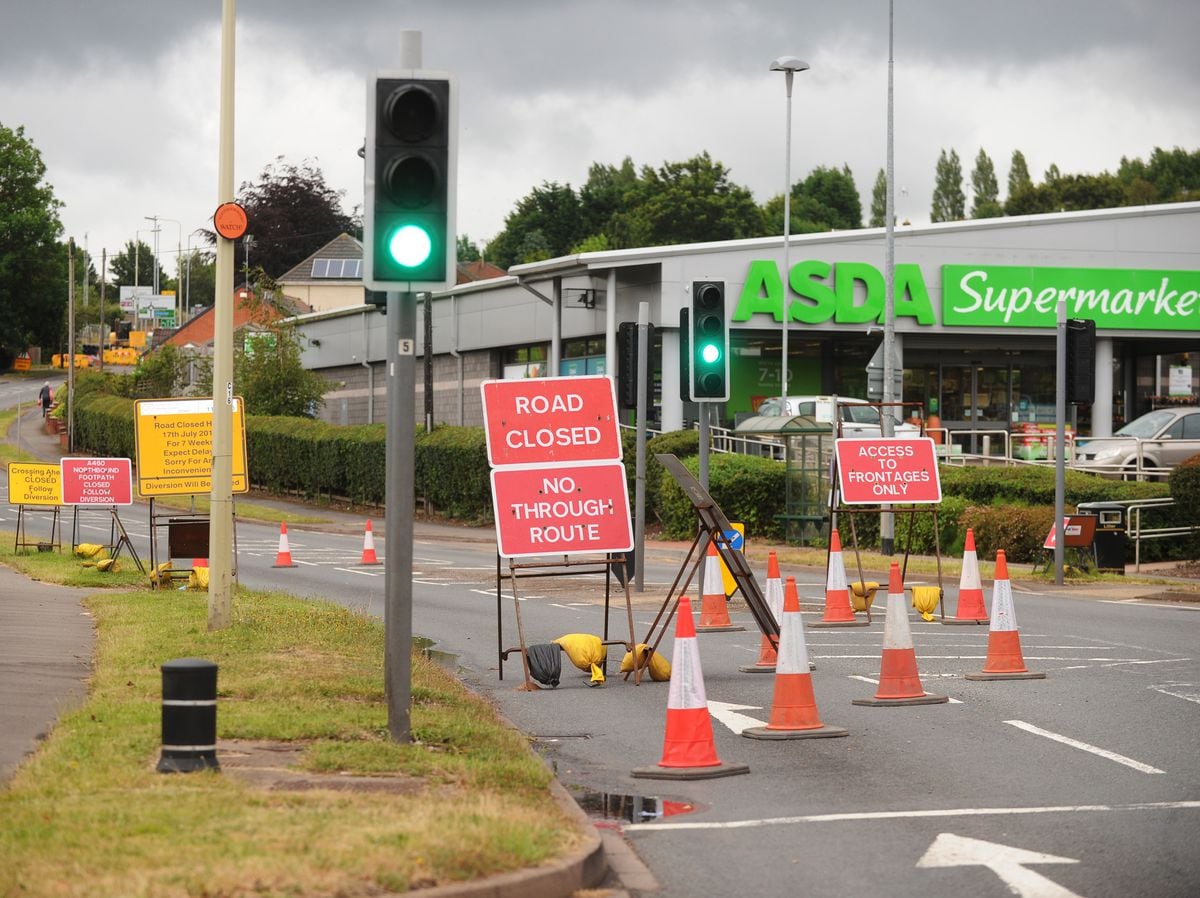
<point>887,519</point>
<point>787,234</point>
<point>428,359</point>
<point>220,522</point>
<point>70,344</point>
<point>639,482</point>
<point>702,412</point>
<point>1060,414</point>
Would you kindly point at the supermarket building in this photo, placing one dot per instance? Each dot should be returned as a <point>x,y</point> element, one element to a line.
<point>975,320</point>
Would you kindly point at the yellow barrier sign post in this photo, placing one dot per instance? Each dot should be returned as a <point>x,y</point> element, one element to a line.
<point>173,439</point>
<point>737,542</point>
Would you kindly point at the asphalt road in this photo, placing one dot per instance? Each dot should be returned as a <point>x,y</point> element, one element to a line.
<point>1085,783</point>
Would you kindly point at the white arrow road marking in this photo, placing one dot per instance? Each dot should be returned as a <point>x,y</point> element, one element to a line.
<point>1083,746</point>
<point>949,850</point>
<point>1188,691</point>
<point>728,715</point>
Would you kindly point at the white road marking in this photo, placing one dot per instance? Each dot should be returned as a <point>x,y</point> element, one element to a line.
<point>1146,603</point>
<point>1187,691</point>
<point>850,817</point>
<point>1083,746</point>
<point>350,570</point>
<point>727,714</point>
<point>953,701</point>
<point>949,850</point>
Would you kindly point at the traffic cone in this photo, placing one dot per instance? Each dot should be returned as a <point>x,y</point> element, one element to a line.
<point>970,591</point>
<point>899,681</point>
<point>793,708</point>
<point>838,612</point>
<point>774,597</point>
<point>199,562</point>
<point>689,751</point>
<point>368,555</point>
<point>714,610</point>
<point>283,558</point>
<point>1004,659</point>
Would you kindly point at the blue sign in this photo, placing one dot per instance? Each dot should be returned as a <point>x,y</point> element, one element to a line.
<point>736,540</point>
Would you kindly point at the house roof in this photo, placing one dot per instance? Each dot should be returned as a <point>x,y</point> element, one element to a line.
<point>343,246</point>
<point>199,331</point>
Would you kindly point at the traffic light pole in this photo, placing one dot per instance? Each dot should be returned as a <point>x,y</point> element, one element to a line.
<point>400,497</point>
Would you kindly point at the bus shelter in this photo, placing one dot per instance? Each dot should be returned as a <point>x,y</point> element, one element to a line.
<point>807,447</point>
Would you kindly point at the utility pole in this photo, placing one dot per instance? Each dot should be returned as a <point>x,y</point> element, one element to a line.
<point>220,521</point>
<point>70,344</point>
<point>887,519</point>
<point>103,325</point>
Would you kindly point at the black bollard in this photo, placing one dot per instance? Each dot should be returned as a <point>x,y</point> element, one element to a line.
<point>189,716</point>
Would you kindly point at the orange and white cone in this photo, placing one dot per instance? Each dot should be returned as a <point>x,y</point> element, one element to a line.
<point>714,608</point>
<point>774,596</point>
<point>368,553</point>
<point>899,681</point>
<point>793,707</point>
<point>970,590</point>
<point>838,612</point>
<point>1004,658</point>
<point>689,751</point>
<point>283,558</point>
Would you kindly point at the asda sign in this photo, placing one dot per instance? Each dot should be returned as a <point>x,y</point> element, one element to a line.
<point>992,296</point>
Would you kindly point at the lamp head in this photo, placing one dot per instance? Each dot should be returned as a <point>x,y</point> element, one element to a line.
<point>789,64</point>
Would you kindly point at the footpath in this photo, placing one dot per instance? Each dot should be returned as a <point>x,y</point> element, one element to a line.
<point>46,643</point>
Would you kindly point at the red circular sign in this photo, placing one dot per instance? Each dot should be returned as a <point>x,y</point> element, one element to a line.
<point>230,221</point>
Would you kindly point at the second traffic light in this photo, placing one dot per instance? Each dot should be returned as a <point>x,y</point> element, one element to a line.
<point>409,241</point>
<point>709,346</point>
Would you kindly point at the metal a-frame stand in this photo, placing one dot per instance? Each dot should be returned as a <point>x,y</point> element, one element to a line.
<point>22,540</point>
<point>518,570</point>
<point>118,539</point>
<point>713,527</point>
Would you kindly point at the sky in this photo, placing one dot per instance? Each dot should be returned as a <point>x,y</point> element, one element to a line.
<point>121,96</point>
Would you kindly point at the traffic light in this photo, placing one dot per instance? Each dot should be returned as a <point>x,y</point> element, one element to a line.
<point>627,365</point>
<point>409,241</point>
<point>1081,360</point>
<point>710,342</point>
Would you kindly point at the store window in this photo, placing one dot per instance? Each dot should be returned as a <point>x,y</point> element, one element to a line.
<point>581,357</point>
<point>526,361</point>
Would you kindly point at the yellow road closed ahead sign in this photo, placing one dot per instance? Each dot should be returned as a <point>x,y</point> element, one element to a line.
<point>34,483</point>
<point>173,439</point>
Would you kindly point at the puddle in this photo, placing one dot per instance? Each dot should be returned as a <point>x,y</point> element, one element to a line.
<point>448,660</point>
<point>631,809</point>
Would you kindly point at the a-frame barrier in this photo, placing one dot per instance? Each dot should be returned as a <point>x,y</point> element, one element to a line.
<point>713,527</point>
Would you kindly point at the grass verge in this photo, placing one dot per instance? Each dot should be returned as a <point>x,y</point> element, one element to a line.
<point>87,815</point>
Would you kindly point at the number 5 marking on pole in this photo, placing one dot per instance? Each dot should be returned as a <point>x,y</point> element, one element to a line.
<point>407,347</point>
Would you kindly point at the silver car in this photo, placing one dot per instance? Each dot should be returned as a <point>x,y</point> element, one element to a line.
<point>1151,444</point>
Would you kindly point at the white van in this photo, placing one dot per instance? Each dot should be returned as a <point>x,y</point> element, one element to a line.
<point>859,418</point>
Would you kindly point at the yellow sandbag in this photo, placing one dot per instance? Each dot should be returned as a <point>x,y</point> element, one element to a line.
<point>160,573</point>
<point>586,652</point>
<point>925,599</point>
<point>91,550</point>
<point>862,595</point>
<point>660,667</point>
<point>198,578</point>
<point>106,565</point>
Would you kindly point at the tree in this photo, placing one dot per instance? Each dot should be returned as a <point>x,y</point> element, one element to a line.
<point>605,194</point>
<point>949,201</point>
<point>291,213</point>
<point>1018,175</point>
<point>546,223</point>
<point>137,256</point>
<point>199,286</point>
<point>879,201</point>
<point>33,264</point>
<point>986,203</point>
<point>467,250</point>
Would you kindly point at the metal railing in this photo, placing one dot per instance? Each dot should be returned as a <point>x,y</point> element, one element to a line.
<point>1137,532</point>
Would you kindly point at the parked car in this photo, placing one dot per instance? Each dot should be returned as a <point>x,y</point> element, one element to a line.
<point>859,418</point>
<point>1162,438</point>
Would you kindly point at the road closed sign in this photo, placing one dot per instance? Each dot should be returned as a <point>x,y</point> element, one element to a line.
<point>173,441</point>
<point>546,420</point>
<point>561,510</point>
<point>97,481</point>
<point>893,470</point>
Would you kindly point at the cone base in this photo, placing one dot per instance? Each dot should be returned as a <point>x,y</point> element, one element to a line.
<point>821,732</point>
<point>727,628</point>
<point>928,698</point>
<point>1016,675</point>
<point>369,563</point>
<point>966,621</point>
<point>688,773</point>
<point>829,624</point>
<point>288,564</point>
<point>754,668</point>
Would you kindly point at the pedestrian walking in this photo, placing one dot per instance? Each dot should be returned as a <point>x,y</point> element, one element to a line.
<point>45,397</point>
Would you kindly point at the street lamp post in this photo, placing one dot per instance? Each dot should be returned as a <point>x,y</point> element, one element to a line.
<point>178,253</point>
<point>789,65</point>
<point>137,251</point>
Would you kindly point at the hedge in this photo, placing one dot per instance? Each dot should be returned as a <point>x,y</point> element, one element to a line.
<point>749,490</point>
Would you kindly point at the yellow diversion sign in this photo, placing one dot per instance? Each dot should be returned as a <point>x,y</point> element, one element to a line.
<point>31,483</point>
<point>173,439</point>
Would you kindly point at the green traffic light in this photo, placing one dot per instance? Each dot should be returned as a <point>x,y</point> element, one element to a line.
<point>710,353</point>
<point>410,246</point>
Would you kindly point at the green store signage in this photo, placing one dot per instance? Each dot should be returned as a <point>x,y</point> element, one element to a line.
<point>977,295</point>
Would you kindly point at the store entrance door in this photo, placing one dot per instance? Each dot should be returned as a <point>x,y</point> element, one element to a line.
<point>977,403</point>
